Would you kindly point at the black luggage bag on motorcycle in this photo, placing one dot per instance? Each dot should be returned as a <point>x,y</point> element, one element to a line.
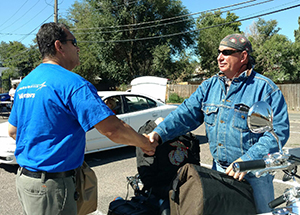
<point>201,191</point>
<point>157,172</point>
<point>138,205</point>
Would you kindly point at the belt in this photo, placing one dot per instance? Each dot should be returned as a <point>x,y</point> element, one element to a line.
<point>48,175</point>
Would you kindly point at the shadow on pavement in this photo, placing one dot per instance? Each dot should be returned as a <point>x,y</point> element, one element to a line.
<point>202,139</point>
<point>10,168</point>
<point>109,156</point>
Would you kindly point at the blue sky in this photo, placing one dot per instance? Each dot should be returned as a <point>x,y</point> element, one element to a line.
<point>20,19</point>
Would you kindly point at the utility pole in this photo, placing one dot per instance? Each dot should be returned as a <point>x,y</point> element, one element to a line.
<point>55,12</point>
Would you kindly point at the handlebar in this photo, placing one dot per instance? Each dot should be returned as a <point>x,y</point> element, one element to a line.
<point>270,163</point>
<point>278,201</point>
<point>249,165</point>
<point>276,161</point>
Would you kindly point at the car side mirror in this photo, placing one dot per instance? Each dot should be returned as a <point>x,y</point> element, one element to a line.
<point>260,120</point>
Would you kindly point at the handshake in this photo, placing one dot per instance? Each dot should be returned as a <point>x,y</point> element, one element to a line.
<point>153,139</point>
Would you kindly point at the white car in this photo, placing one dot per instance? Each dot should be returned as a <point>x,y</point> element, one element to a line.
<point>133,108</point>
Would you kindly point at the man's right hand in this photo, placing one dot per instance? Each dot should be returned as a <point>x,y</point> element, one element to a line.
<point>154,137</point>
<point>150,148</point>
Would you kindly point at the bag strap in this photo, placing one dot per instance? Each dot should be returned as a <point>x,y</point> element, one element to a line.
<point>224,178</point>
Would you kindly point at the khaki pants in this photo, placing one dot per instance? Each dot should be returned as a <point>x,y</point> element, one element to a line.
<point>46,197</point>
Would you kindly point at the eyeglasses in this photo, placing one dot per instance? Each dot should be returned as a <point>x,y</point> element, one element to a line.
<point>228,52</point>
<point>73,41</point>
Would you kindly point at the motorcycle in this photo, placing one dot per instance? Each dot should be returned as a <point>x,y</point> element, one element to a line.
<point>260,118</point>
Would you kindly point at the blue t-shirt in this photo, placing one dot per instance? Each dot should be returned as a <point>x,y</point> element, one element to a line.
<point>53,109</point>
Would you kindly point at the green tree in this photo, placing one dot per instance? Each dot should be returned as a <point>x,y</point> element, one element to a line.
<point>296,49</point>
<point>297,32</point>
<point>161,60</point>
<point>273,52</point>
<point>112,34</point>
<point>215,28</point>
<point>184,67</point>
<point>19,59</point>
<point>18,56</point>
<point>267,29</point>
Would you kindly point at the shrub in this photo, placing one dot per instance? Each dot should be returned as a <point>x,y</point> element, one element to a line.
<point>174,98</point>
<point>123,87</point>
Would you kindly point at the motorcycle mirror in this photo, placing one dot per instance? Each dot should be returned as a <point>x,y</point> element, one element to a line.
<point>260,117</point>
<point>260,120</point>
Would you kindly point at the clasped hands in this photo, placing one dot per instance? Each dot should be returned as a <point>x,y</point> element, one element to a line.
<point>153,139</point>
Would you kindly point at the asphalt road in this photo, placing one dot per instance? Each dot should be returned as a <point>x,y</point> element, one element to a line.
<point>112,167</point>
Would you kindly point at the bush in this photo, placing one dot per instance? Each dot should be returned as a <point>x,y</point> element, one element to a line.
<point>174,98</point>
<point>123,87</point>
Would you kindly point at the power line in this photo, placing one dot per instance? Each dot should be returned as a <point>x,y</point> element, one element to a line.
<point>7,34</point>
<point>31,18</point>
<point>34,29</point>
<point>175,34</point>
<point>169,23</point>
<point>180,33</point>
<point>138,24</point>
<point>30,33</point>
<point>14,13</point>
<point>48,3</point>
<point>21,16</point>
<point>161,20</point>
<point>275,7</point>
<point>39,12</point>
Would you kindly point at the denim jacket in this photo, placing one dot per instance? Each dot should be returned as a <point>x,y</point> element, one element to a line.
<point>225,117</point>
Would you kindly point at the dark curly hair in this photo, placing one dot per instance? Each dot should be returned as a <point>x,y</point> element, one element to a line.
<point>47,35</point>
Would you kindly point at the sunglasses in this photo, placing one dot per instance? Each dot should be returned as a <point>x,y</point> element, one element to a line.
<point>228,52</point>
<point>73,41</point>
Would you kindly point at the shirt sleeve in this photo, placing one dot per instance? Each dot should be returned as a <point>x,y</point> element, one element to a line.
<point>187,117</point>
<point>88,107</point>
<point>13,117</point>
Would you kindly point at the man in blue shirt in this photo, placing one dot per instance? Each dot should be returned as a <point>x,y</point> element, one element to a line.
<point>222,103</point>
<point>53,110</point>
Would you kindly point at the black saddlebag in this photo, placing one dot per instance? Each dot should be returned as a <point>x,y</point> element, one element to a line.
<point>201,191</point>
<point>138,205</point>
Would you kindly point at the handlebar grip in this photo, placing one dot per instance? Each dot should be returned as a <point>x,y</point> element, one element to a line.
<point>278,201</point>
<point>248,165</point>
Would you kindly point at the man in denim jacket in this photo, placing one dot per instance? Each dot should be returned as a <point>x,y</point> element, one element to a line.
<point>222,102</point>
